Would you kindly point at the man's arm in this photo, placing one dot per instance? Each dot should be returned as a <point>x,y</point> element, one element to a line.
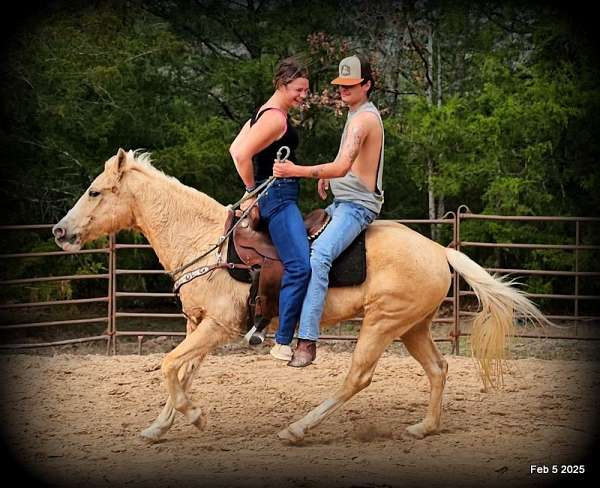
<point>357,133</point>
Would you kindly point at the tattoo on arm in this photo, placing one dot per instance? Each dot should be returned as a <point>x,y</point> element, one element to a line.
<point>353,143</point>
<point>350,149</point>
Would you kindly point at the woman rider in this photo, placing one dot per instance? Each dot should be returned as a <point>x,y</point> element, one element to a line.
<point>254,151</point>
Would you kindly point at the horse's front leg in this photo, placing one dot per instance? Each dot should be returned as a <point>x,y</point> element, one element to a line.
<point>166,418</point>
<point>208,335</point>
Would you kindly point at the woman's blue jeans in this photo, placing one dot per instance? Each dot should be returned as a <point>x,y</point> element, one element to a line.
<point>348,219</point>
<point>279,208</point>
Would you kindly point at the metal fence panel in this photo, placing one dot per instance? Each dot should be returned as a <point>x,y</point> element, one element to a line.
<point>112,331</point>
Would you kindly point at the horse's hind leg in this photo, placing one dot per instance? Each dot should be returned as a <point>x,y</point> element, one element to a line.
<point>371,344</point>
<point>419,343</point>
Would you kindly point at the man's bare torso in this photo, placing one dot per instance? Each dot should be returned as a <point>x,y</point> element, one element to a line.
<point>366,164</point>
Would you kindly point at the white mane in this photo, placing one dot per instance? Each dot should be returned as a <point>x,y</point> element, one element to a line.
<point>142,161</point>
<point>143,158</point>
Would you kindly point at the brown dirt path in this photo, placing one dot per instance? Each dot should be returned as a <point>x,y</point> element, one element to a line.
<point>74,420</point>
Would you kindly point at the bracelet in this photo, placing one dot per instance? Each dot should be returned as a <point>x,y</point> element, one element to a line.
<point>250,189</point>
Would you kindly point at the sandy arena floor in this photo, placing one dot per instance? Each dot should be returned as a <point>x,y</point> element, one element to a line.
<point>74,420</point>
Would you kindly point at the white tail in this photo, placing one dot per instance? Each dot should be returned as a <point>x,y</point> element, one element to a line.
<point>493,326</point>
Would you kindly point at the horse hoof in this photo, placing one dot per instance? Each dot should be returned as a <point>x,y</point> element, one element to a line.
<point>151,435</point>
<point>250,334</point>
<point>290,436</point>
<point>197,418</point>
<point>417,431</point>
<point>257,339</point>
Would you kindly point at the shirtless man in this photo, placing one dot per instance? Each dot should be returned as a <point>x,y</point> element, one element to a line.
<point>356,176</point>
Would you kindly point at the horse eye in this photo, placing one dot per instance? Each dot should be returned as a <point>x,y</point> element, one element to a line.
<point>93,193</point>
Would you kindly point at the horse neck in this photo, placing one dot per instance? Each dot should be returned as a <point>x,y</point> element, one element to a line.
<point>180,223</point>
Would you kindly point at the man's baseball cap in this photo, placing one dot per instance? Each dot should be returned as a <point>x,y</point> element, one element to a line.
<point>350,72</point>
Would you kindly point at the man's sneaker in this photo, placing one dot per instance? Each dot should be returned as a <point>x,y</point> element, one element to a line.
<point>282,352</point>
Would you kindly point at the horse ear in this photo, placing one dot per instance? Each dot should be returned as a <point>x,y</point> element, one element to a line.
<point>121,158</point>
<point>116,165</point>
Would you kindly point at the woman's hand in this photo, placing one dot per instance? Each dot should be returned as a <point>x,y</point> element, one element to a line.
<point>285,169</point>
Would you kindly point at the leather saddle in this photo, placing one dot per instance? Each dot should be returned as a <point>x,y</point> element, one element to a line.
<point>251,244</point>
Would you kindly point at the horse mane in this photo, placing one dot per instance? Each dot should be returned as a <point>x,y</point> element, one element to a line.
<point>144,159</point>
<point>141,161</point>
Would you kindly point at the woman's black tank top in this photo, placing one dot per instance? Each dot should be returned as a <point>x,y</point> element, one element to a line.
<point>263,161</point>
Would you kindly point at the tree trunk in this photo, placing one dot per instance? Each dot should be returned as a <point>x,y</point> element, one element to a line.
<point>431,197</point>
<point>441,204</point>
<point>441,210</point>
<point>430,162</point>
<point>439,76</point>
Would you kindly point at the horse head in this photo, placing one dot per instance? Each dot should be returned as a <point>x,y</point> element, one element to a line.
<point>102,209</point>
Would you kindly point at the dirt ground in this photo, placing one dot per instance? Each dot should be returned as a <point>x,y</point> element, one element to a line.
<point>74,419</point>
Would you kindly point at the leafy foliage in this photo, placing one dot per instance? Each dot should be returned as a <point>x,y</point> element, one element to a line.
<point>501,101</point>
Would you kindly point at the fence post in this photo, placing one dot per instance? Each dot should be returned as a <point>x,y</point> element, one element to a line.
<point>457,331</point>
<point>577,242</point>
<point>455,289</point>
<point>113,287</point>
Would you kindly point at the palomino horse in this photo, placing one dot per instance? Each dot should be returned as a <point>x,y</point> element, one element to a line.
<point>408,277</point>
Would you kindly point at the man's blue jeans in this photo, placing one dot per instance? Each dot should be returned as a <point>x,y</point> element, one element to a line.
<point>279,208</point>
<point>348,219</point>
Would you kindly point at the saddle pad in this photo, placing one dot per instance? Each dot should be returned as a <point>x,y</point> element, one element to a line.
<point>349,269</point>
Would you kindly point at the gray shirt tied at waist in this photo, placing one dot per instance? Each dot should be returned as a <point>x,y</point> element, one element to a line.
<point>349,187</point>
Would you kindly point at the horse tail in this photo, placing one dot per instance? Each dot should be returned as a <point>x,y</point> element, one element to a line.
<point>493,326</point>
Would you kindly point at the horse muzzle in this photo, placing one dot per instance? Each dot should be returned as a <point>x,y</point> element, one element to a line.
<point>64,239</point>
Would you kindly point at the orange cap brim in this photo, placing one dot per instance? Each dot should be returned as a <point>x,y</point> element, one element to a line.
<point>342,80</point>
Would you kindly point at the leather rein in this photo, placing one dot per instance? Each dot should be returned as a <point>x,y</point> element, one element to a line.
<point>259,192</point>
